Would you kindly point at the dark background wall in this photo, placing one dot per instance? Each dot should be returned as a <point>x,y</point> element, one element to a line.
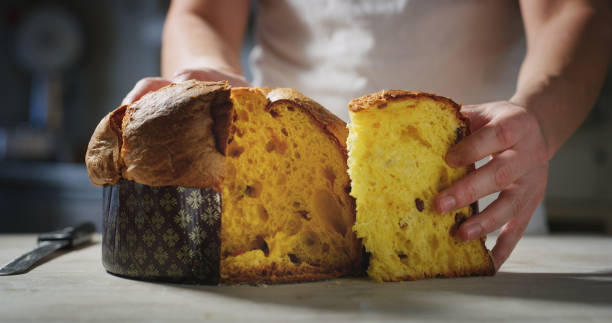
<point>43,182</point>
<point>119,41</point>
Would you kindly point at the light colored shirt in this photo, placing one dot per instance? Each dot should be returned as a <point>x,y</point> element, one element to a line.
<point>337,50</point>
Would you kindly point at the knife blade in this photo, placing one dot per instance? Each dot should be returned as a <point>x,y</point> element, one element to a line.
<point>47,244</point>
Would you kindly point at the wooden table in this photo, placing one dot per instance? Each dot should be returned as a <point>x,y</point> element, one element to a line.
<point>557,279</point>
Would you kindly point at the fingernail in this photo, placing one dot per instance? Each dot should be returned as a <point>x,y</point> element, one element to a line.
<point>446,203</point>
<point>472,231</point>
<point>451,159</point>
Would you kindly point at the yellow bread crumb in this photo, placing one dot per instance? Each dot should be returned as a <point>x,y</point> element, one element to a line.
<point>286,211</point>
<point>397,143</point>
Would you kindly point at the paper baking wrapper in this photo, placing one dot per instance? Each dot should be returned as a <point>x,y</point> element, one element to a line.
<point>167,233</point>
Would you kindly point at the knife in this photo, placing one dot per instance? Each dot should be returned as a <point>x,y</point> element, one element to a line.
<point>47,244</point>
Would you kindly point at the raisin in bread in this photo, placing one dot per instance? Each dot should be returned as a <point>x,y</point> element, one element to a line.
<point>277,158</point>
<point>397,143</point>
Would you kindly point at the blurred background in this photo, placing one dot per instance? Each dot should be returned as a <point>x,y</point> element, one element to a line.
<point>65,64</point>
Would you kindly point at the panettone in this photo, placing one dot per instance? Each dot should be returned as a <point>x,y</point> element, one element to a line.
<point>263,173</point>
<point>397,143</point>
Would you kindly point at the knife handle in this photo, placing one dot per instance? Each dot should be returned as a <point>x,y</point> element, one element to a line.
<point>74,235</point>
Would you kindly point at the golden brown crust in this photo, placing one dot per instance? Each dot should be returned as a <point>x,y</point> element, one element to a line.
<point>381,98</point>
<point>324,117</point>
<point>483,271</point>
<point>102,158</point>
<point>279,273</point>
<point>168,136</point>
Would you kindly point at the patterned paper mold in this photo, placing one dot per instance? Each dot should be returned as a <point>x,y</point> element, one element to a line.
<point>167,233</point>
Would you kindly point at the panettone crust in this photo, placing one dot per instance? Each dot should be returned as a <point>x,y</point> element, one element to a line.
<point>328,121</point>
<point>381,98</point>
<point>174,143</point>
<point>283,274</point>
<point>164,138</point>
<point>103,158</point>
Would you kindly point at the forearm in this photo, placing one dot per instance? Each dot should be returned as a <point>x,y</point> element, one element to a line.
<point>564,69</point>
<point>196,38</point>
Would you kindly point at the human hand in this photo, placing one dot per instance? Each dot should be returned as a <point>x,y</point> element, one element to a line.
<point>512,135</point>
<point>149,84</point>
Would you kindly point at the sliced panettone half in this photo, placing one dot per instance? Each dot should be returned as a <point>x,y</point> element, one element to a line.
<point>397,143</point>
